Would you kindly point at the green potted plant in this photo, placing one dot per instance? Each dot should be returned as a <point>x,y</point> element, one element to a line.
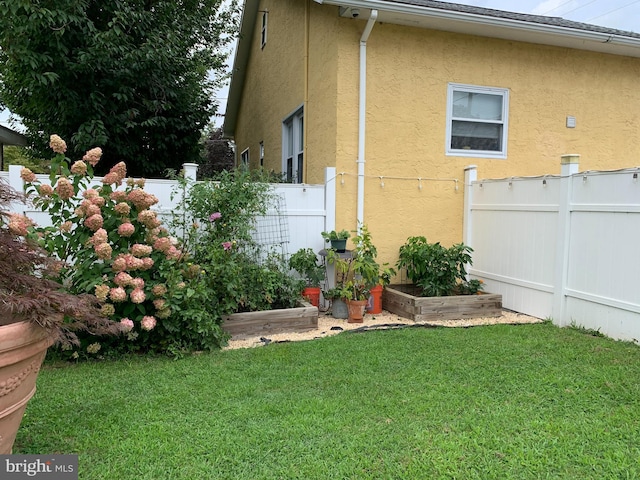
<point>35,312</point>
<point>338,240</point>
<point>357,274</point>
<point>305,262</point>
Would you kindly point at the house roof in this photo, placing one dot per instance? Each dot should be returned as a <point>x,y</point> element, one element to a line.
<point>451,17</point>
<point>10,137</point>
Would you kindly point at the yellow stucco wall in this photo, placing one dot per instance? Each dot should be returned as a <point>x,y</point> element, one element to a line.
<point>408,72</point>
<point>274,85</point>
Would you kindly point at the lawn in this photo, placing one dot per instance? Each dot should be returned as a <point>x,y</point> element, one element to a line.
<point>503,402</point>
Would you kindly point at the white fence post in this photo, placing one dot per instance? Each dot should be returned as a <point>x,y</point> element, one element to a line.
<point>190,171</point>
<point>569,165</point>
<point>470,176</point>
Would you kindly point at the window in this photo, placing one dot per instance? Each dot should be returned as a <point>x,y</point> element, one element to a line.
<point>293,147</point>
<point>263,30</point>
<point>477,121</point>
<point>261,154</point>
<point>244,160</point>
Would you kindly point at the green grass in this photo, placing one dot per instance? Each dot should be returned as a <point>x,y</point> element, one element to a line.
<point>500,402</point>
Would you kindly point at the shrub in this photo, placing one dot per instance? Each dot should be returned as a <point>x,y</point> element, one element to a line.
<point>115,247</point>
<point>436,270</point>
<point>217,219</point>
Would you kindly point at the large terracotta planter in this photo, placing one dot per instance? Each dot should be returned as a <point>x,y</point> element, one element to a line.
<point>356,310</point>
<point>23,347</point>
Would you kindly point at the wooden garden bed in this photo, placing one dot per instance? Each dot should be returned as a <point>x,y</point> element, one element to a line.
<point>403,301</point>
<point>299,319</point>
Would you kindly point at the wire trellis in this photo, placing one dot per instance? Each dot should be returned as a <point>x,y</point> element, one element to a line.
<point>271,231</point>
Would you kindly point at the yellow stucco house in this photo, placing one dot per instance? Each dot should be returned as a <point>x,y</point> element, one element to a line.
<point>401,95</point>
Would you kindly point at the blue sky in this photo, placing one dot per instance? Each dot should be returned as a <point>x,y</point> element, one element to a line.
<point>620,14</point>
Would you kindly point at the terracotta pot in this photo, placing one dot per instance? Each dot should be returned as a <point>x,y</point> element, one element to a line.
<point>374,305</point>
<point>23,346</point>
<point>312,294</point>
<point>356,310</point>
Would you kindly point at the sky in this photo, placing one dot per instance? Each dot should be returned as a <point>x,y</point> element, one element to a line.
<point>619,14</point>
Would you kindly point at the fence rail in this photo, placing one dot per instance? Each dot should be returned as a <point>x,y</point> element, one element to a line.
<point>562,247</point>
<point>304,211</point>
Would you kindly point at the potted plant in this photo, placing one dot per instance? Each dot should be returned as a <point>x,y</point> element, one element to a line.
<point>35,312</point>
<point>338,240</point>
<point>357,274</point>
<point>439,288</point>
<point>336,296</point>
<point>305,262</point>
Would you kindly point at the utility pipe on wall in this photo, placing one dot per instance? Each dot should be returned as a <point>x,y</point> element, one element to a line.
<point>362,111</point>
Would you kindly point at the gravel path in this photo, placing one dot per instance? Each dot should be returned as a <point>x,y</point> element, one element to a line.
<point>327,322</point>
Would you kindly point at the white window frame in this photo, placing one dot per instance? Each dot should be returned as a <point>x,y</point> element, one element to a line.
<point>501,92</point>
<point>293,146</point>
<point>263,29</point>
<point>244,160</point>
<point>261,151</point>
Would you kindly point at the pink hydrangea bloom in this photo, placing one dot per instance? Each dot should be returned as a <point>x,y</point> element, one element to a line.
<point>126,229</point>
<point>159,303</point>
<point>173,253</point>
<point>120,169</point>
<point>141,199</point>
<point>100,236</point>
<point>148,322</point>
<point>118,196</point>
<point>94,222</point>
<point>101,292</point>
<point>126,325</point>
<point>98,201</point>
<point>45,190</point>
<point>66,226</point>
<point>162,244</point>
<point>57,144</point>
<point>138,296</point>
<point>159,290</point>
<point>119,264</point>
<point>147,263</point>
<point>93,156</point>
<point>122,279</point>
<point>117,294</point>
<point>111,178</point>
<point>92,210</point>
<point>18,224</point>
<point>103,251</point>
<point>122,208</point>
<point>137,283</point>
<point>27,175</point>
<point>141,250</point>
<point>65,188</point>
<point>79,168</point>
<point>90,193</point>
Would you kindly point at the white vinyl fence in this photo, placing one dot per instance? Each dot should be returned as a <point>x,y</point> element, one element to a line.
<point>304,210</point>
<point>563,247</point>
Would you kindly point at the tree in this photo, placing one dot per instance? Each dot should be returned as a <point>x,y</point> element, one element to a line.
<point>218,154</point>
<point>131,76</point>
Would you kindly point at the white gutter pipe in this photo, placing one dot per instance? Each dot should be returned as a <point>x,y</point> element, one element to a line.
<point>362,111</point>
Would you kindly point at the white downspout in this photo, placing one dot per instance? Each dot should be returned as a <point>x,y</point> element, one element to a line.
<point>362,111</point>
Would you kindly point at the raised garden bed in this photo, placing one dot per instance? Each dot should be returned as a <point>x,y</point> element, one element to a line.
<point>403,300</point>
<point>298,319</point>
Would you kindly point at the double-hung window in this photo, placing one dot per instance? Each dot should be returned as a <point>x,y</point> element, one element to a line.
<point>293,147</point>
<point>244,160</point>
<point>477,121</point>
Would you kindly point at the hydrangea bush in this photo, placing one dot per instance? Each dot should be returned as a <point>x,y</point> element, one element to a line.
<point>113,245</point>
